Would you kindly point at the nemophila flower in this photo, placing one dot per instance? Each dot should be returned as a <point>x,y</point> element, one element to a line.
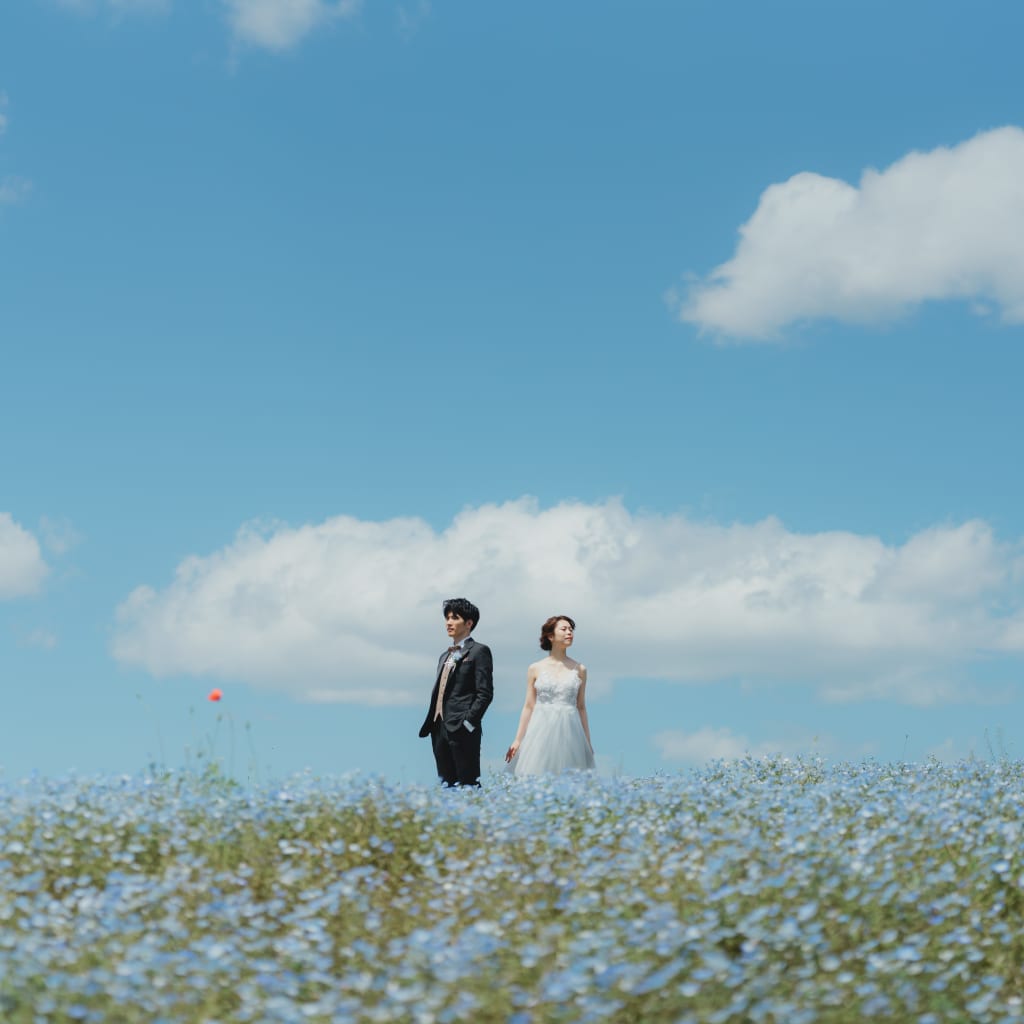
<point>761,890</point>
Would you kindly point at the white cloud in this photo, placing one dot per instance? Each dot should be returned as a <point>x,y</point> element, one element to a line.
<point>947,224</point>
<point>1012,637</point>
<point>276,25</point>
<point>281,24</point>
<point>140,6</point>
<point>412,17</point>
<point>44,639</point>
<point>22,568</point>
<point>951,750</point>
<point>350,610</point>
<point>939,685</point>
<point>14,190</point>
<point>59,536</point>
<point>117,7</point>
<point>710,744</point>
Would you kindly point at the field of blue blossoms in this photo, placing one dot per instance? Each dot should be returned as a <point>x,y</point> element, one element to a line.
<point>765,891</point>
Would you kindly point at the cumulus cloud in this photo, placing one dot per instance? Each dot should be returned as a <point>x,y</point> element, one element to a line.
<point>22,569</point>
<point>281,24</point>
<point>411,17</point>
<point>139,6</point>
<point>349,610</point>
<point>59,536</point>
<point>45,639</point>
<point>710,744</point>
<point>14,190</point>
<point>275,25</point>
<point>946,224</point>
<point>117,7</point>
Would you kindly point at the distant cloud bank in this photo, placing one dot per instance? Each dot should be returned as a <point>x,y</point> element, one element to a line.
<point>946,224</point>
<point>22,569</point>
<point>275,25</point>
<point>349,610</point>
<point>12,189</point>
<point>117,6</point>
<point>281,24</point>
<point>709,743</point>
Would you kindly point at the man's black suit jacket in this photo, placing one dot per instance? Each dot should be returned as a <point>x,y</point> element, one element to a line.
<point>469,690</point>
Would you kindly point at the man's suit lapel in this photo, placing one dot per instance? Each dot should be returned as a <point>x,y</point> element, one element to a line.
<point>466,648</point>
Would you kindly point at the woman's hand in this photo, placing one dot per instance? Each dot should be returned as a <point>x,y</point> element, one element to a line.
<point>512,751</point>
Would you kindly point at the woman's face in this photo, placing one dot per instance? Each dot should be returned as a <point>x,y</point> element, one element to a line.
<point>563,632</point>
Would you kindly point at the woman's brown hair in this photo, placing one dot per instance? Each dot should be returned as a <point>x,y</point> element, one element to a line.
<point>547,631</point>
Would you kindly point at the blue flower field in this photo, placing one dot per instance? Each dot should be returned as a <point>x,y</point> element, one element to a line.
<point>764,891</point>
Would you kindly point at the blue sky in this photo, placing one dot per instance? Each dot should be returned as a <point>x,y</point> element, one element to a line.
<point>700,322</point>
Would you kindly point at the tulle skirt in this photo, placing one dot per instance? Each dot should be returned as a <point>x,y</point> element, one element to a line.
<point>554,742</point>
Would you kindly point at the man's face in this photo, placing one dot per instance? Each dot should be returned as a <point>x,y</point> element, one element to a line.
<point>458,628</point>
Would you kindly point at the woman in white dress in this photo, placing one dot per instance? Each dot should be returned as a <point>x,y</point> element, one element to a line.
<point>553,734</point>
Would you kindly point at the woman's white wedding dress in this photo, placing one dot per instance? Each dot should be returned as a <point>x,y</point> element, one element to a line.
<point>554,740</point>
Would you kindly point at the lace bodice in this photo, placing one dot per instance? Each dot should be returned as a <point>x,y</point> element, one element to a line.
<point>555,739</point>
<point>557,690</point>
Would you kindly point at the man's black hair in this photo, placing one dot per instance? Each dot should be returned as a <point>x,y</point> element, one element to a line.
<point>464,609</point>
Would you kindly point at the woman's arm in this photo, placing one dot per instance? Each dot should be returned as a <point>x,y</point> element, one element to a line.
<point>524,718</point>
<point>581,705</point>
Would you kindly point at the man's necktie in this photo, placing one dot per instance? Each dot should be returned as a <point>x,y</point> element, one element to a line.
<point>445,673</point>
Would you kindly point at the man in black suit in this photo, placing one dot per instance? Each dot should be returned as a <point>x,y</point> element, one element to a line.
<point>463,688</point>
